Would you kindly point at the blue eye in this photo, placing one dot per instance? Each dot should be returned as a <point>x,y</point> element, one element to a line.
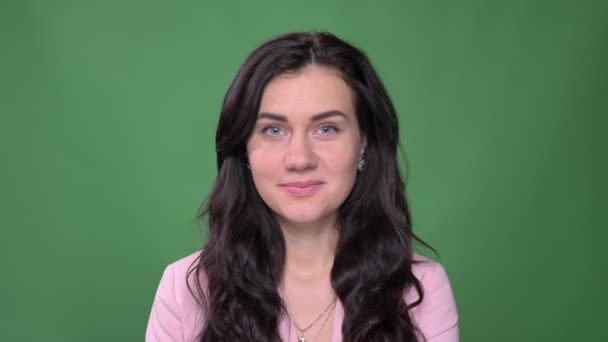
<point>327,129</point>
<point>273,131</point>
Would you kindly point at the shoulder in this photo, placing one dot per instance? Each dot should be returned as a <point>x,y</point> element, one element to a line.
<point>429,272</point>
<point>181,266</point>
<point>436,316</point>
<point>176,278</point>
<point>178,274</point>
<point>175,313</point>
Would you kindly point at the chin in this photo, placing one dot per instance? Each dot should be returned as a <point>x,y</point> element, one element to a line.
<point>300,219</point>
<point>301,214</point>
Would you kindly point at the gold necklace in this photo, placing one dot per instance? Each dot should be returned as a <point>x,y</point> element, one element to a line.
<point>302,338</point>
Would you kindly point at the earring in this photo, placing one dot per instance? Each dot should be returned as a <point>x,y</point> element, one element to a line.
<point>360,165</point>
<point>248,166</point>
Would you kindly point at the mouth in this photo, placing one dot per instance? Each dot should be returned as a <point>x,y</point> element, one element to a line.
<point>302,189</point>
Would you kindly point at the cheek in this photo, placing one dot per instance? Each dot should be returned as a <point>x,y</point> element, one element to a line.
<point>264,163</point>
<point>341,164</point>
<point>338,156</point>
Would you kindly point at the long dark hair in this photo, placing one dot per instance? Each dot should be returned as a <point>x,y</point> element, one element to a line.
<point>243,259</point>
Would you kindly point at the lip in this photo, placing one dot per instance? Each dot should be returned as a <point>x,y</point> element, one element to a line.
<point>302,189</point>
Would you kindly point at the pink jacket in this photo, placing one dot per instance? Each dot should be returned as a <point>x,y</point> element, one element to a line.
<point>176,316</point>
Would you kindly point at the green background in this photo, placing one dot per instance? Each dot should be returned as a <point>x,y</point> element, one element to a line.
<point>107,130</point>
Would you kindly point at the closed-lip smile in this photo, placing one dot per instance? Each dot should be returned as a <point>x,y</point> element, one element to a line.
<point>302,189</point>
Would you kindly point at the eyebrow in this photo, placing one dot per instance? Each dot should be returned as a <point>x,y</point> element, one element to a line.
<point>317,117</point>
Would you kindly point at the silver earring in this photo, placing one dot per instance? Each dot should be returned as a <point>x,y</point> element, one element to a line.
<point>248,166</point>
<point>360,165</point>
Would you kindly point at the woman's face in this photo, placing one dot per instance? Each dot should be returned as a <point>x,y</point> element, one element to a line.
<point>305,146</point>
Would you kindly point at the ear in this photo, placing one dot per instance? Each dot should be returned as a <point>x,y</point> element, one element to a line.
<point>363,145</point>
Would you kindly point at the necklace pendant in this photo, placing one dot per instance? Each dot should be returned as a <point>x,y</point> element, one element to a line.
<point>301,339</point>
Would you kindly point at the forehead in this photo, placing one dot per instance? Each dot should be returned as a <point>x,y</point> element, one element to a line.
<point>310,91</point>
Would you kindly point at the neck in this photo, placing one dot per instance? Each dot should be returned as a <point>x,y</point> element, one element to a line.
<point>310,249</point>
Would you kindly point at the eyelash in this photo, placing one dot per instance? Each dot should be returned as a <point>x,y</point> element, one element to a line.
<point>266,129</point>
<point>336,130</point>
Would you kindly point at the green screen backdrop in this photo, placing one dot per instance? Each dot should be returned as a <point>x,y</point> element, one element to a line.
<point>108,112</point>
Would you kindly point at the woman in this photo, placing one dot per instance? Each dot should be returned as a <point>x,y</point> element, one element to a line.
<point>310,234</point>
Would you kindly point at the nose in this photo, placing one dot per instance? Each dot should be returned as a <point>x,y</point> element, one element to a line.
<point>300,155</point>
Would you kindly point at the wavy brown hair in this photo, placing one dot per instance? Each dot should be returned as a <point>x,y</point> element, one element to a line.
<point>244,257</point>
